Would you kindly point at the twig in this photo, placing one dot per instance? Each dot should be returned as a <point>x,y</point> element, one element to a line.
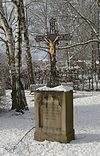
<point>85,19</point>
<point>15,146</point>
<point>23,138</point>
<point>79,44</point>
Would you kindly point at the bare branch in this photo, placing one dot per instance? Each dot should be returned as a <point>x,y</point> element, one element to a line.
<point>1,39</point>
<point>20,140</point>
<point>24,137</point>
<point>11,13</point>
<point>69,46</point>
<point>78,44</point>
<point>45,49</point>
<point>85,19</point>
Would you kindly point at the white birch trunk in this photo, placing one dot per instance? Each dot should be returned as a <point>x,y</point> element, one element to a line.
<point>21,100</point>
<point>10,42</point>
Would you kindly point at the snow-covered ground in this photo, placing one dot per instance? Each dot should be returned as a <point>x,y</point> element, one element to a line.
<point>14,126</point>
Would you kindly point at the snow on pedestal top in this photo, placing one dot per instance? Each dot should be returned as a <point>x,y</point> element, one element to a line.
<point>63,88</point>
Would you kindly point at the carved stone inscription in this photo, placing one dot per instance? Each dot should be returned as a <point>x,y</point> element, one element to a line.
<point>50,113</point>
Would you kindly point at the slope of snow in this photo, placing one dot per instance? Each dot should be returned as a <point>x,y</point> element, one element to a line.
<point>13,126</point>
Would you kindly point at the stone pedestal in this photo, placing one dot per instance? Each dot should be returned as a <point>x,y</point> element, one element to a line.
<point>54,116</point>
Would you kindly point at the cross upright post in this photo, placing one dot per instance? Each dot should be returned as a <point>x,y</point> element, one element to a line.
<point>52,39</point>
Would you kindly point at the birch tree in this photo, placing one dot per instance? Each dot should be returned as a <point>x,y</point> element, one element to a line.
<point>14,47</point>
<point>10,43</point>
<point>20,94</point>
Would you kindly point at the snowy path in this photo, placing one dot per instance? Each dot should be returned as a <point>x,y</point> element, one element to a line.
<point>86,124</point>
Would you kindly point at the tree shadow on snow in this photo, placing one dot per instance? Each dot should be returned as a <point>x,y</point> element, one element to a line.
<point>86,138</point>
<point>14,120</point>
<point>87,123</point>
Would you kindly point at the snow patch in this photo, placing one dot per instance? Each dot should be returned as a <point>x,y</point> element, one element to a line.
<point>86,124</point>
<point>58,88</point>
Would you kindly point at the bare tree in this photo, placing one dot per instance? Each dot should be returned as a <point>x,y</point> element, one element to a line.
<point>14,49</point>
<point>10,43</point>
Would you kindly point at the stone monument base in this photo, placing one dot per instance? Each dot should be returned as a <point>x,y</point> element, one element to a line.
<point>41,136</point>
<point>54,115</point>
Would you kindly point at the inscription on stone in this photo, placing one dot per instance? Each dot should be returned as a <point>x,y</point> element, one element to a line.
<point>50,114</point>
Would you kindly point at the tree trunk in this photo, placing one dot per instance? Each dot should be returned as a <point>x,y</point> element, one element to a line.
<point>27,45</point>
<point>21,99</point>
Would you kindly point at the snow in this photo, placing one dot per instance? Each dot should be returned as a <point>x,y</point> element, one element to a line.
<point>58,88</point>
<point>13,127</point>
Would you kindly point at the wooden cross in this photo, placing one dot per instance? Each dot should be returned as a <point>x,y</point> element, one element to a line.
<point>52,39</point>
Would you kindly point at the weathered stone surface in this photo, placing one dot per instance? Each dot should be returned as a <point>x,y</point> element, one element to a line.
<point>54,116</point>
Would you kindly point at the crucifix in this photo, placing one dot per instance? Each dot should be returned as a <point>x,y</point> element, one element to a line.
<point>52,39</point>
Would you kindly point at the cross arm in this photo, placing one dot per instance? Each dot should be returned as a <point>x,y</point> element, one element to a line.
<point>66,37</point>
<point>53,37</point>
